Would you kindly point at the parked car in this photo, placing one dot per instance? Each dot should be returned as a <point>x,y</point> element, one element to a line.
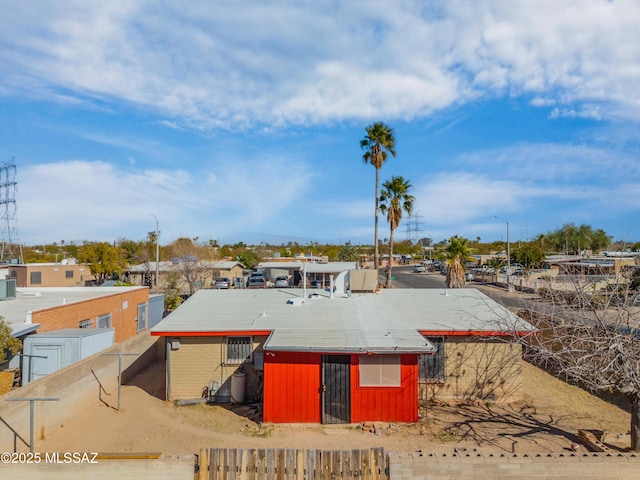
<point>221,282</point>
<point>256,275</point>
<point>419,269</point>
<point>256,282</point>
<point>316,284</point>
<point>282,282</point>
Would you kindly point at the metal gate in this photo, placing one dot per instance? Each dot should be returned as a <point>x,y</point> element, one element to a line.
<point>336,398</point>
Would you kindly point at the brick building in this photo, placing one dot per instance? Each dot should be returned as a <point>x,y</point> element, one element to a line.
<point>125,309</point>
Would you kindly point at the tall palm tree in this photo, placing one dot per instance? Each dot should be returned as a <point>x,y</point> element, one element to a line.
<point>457,252</point>
<point>377,143</point>
<point>393,200</point>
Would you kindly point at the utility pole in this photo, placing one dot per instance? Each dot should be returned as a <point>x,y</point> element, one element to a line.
<point>157,251</point>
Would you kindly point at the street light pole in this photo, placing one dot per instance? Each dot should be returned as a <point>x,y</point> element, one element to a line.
<point>157,250</point>
<point>508,253</point>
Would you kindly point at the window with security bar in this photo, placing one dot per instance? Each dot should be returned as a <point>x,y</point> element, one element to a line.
<point>431,366</point>
<point>85,324</point>
<point>142,316</point>
<point>238,349</point>
<point>103,321</point>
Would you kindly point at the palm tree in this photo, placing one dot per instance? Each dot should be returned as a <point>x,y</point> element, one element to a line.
<point>378,142</point>
<point>393,200</point>
<point>348,253</point>
<point>457,252</point>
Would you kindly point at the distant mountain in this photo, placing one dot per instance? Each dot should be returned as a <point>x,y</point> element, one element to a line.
<point>255,238</point>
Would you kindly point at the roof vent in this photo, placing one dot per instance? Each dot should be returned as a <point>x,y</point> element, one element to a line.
<point>296,301</point>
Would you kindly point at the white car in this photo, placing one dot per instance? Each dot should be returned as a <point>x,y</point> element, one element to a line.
<point>419,269</point>
<point>282,282</point>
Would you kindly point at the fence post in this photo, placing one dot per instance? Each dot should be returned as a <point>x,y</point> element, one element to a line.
<point>203,464</point>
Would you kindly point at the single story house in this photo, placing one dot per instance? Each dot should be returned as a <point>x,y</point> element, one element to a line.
<point>229,269</point>
<point>341,357</point>
<point>66,273</point>
<point>316,273</point>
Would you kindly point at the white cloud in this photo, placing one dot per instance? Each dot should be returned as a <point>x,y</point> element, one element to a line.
<point>213,66</point>
<point>94,201</point>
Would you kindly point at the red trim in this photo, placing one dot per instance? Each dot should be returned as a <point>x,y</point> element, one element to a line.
<point>471,333</point>
<point>239,333</point>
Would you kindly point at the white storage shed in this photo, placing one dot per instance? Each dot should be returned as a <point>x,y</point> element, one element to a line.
<point>47,352</point>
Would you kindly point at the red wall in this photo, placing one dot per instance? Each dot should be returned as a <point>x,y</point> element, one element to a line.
<point>292,384</point>
<point>291,387</point>
<point>387,404</point>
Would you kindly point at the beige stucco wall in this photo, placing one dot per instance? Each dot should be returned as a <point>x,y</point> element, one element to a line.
<point>478,369</point>
<point>201,360</point>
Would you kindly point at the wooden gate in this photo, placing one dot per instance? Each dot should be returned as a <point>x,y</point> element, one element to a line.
<point>267,464</point>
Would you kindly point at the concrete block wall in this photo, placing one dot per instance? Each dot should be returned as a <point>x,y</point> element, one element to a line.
<point>75,386</point>
<point>497,466</point>
<point>123,307</point>
<point>201,360</point>
<point>174,467</point>
<point>478,369</point>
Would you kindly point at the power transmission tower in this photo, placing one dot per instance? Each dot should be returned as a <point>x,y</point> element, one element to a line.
<point>413,228</point>
<point>11,246</point>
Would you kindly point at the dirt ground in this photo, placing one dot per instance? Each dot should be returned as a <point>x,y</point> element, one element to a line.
<point>547,420</point>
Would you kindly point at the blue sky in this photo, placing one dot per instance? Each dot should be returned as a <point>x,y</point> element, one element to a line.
<point>242,121</point>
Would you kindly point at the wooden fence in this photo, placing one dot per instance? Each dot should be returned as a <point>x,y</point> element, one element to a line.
<point>285,464</point>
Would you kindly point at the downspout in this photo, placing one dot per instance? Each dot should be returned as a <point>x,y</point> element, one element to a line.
<point>331,286</point>
<point>168,343</point>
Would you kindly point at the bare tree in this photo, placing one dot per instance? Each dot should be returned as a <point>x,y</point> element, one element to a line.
<point>590,335</point>
<point>189,259</point>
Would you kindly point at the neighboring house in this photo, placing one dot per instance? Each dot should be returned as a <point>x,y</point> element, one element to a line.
<point>171,274</point>
<point>315,272</point>
<point>64,274</point>
<point>343,357</point>
<point>230,270</point>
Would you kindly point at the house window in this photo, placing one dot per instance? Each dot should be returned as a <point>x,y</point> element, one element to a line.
<point>103,321</point>
<point>85,324</point>
<point>68,274</point>
<point>142,316</point>
<point>238,349</point>
<point>36,278</point>
<point>379,371</point>
<point>432,366</point>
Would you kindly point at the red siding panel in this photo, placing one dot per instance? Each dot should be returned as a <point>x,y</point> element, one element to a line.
<point>292,387</point>
<point>386,404</point>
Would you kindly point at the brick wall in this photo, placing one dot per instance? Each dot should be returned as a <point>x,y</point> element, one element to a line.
<point>476,368</point>
<point>123,320</point>
<point>75,386</point>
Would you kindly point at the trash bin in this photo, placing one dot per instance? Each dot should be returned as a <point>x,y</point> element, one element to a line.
<point>238,386</point>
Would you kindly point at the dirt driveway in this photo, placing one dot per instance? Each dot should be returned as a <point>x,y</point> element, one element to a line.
<point>547,420</point>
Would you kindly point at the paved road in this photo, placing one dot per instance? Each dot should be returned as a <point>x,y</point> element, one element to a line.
<point>405,278</point>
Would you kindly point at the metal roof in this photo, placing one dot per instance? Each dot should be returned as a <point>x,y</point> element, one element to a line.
<point>389,319</point>
<point>225,265</point>
<point>312,267</point>
<point>348,341</point>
